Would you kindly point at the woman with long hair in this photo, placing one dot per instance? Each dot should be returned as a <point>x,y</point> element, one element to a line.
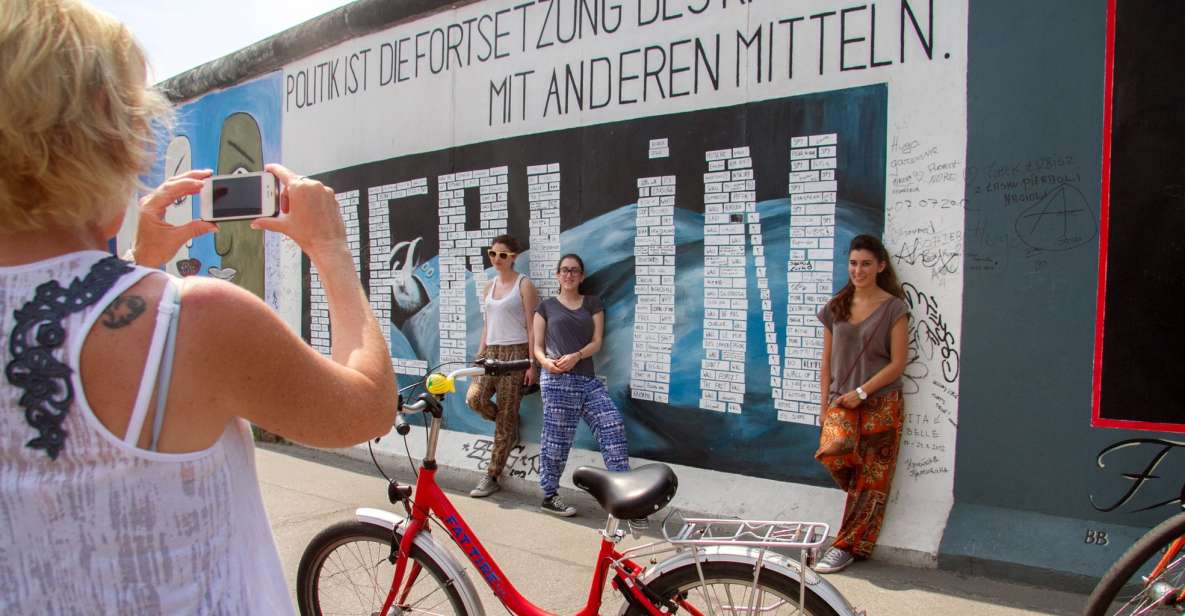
<point>125,448</point>
<point>569,329</point>
<point>864,354</point>
<point>510,300</point>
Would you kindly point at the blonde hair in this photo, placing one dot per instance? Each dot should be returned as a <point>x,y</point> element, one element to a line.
<point>77,119</point>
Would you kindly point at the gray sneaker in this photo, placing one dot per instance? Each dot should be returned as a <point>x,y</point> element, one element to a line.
<point>487,486</point>
<point>834,560</point>
<point>556,505</point>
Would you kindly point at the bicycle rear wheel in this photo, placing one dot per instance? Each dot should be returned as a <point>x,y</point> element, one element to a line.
<point>345,570</point>
<point>1126,587</point>
<point>728,588</point>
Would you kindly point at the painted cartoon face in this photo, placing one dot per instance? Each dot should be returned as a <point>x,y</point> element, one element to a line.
<point>240,247</point>
<point>863,266</point>
<point>570,274</point>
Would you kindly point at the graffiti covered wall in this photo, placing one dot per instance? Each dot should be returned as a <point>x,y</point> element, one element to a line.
<point>710,161</point>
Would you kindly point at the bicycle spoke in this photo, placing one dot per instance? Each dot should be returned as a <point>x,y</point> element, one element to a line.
<point>736,598</point>
<point>1154,593</point>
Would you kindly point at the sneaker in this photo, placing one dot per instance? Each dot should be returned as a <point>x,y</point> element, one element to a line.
<point>487,486</point>
<point>834,560</point>
<point>556,505</point>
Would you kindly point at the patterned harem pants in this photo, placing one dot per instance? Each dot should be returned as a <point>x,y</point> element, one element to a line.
<point>504,414</point>
<point>568,398</point>
<point>859,448</point>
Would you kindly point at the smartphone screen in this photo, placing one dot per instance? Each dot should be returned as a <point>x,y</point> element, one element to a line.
<point>235,196</point>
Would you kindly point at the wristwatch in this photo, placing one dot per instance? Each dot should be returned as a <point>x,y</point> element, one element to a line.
<point>860,393</point>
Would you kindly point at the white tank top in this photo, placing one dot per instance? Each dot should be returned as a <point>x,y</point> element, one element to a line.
<point>108,528</point>
<point>505,321</point>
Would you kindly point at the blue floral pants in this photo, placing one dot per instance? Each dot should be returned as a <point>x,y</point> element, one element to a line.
<point>568,398</point>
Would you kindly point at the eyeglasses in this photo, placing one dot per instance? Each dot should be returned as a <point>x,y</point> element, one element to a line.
<point>501,255</point>
<point>571,271</point>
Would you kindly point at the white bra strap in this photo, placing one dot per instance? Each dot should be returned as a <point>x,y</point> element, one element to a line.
<point>164,318</point>
<point>166,375</point>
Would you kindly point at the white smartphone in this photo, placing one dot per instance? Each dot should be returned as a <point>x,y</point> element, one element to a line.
<point>240,196</point>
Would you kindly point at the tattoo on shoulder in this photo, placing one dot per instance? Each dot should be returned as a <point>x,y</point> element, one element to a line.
<point>124,310</point>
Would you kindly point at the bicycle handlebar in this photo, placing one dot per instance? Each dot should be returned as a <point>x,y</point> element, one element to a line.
<point>445,384</point>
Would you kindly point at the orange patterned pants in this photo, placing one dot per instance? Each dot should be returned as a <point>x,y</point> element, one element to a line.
<point>859,448</point>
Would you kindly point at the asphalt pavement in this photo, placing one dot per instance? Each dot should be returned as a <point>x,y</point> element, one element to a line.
<point>548,558</point>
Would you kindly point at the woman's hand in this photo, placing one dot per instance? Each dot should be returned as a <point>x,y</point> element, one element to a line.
<point>550,366</point>
<point>849,400</point>
<point>531,377</point>
<point>157,241</point>
<point>567,362</point>
<point>309,214</point>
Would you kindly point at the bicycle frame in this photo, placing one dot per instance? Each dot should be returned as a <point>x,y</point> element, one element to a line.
<point>429,499</point>
<point>701,540</point>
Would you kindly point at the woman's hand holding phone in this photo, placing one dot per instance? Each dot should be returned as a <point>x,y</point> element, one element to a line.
<point>156,239</point>
<point>309,214</point>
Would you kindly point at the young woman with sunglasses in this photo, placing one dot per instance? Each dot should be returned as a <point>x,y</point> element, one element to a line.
<point>510,300</point>
<point>864,356</point>
<point>568,331</point>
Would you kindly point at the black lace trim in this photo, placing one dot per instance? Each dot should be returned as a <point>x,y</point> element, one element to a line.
<point>37,334</point>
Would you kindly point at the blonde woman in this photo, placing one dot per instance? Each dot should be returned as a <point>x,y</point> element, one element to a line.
<point>510,300</point>
<point>124,444</point>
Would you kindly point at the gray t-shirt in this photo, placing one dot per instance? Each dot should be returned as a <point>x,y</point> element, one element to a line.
<point>569,331</point>
<point>847,340</point>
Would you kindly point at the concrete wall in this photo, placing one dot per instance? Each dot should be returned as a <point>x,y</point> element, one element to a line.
<point>710,160</point>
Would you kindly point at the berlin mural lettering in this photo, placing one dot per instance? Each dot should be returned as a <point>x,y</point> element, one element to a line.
<point>746,238</point>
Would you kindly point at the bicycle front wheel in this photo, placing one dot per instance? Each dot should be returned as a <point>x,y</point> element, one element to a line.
<point>346,570</point>
<point>728,588</point>
<point>1129,588</point>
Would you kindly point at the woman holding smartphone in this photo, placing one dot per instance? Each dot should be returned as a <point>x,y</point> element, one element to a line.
<point>864,355</point>
<point>510,300</point>
<point>568,331</point>
<point>125,447</point>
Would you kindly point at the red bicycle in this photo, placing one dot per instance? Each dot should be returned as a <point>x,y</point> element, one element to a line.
<point>379,563</point>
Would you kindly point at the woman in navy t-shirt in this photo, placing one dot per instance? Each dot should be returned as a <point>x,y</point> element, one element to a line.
<point>569,329</point>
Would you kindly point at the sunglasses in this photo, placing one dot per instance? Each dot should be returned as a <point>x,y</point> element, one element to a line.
<point>501,255</point>
<point>572,271</point>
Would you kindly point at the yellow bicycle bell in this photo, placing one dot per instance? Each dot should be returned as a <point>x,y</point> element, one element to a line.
<point>439,384</point>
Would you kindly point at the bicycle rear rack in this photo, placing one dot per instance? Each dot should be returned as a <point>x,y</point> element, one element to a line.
<point>802,536</point>
<point>755,533</point>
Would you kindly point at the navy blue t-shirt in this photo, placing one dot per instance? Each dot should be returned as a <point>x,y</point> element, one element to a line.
<point>569,331</point>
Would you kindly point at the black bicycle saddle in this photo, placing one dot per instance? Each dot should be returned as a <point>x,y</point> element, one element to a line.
<point>629,495</point>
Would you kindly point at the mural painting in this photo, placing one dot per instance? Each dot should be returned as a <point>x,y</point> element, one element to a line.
<point>709,161</point>
<point>245,136</point>
<point>751,248</point>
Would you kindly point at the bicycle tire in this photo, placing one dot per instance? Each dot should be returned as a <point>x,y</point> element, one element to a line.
<point>685,582</point>
<point>1111,587</point>
<point>344,570</point>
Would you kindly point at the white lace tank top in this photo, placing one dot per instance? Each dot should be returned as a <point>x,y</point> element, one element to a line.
<point>107,528</point>
<point>505,321</point>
